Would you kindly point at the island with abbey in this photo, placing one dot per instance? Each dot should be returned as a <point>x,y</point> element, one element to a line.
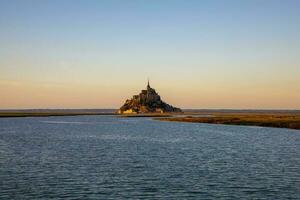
<point>148,101</point>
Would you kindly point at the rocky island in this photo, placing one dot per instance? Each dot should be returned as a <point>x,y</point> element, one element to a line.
<point>148,101</point>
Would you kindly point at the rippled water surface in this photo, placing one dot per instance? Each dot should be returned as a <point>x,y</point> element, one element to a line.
<point>107,157</point>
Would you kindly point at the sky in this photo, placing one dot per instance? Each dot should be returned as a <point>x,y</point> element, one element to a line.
<point>197,54</point>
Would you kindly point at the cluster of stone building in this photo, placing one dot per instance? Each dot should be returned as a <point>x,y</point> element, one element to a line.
<point>148,101</point>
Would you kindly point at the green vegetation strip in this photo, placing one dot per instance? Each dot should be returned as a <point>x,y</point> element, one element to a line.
<point>278,121</point>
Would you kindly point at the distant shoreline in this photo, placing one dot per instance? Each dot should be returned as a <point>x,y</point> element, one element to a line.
<point>53,112</point>
<point>10,115</point>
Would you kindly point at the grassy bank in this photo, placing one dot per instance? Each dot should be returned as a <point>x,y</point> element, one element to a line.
<point>265,120</point>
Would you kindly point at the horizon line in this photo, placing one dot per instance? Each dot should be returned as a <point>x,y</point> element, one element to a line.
<point>250,109</point>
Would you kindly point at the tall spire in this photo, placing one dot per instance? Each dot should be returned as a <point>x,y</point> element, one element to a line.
<point>148,86</point>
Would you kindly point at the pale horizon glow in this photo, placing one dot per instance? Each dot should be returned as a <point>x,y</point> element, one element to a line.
<point>197,54</point>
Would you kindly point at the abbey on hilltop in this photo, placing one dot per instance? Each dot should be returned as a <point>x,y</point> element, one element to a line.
<point>148,101</point>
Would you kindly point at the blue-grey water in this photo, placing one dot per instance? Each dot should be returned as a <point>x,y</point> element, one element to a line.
<point>107,157</point>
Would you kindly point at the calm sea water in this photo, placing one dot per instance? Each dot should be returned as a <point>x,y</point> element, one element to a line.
<point>106,157</point>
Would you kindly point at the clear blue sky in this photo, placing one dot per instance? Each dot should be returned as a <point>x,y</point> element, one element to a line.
<point>198,54</point>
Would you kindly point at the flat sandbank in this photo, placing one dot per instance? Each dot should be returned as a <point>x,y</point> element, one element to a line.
<point>291,121</point>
